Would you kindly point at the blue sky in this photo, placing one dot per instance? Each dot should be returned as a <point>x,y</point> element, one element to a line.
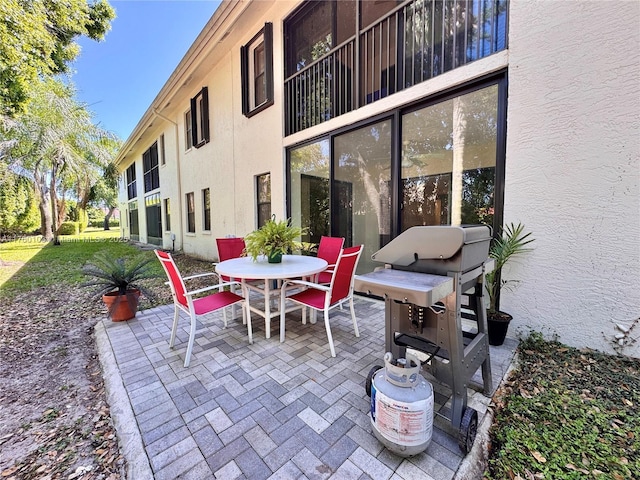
<point>119,77</point>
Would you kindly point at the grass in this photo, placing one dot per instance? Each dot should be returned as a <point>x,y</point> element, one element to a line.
<point>41,264</point>
<point>567,414</point>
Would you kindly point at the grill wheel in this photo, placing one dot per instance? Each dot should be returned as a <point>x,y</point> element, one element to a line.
<point>372,372</point>
<point>468,430</point>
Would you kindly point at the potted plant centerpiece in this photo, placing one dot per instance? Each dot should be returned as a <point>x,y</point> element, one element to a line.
<point>273,239</point>
<point>117,281</point>
<point>512,241</point>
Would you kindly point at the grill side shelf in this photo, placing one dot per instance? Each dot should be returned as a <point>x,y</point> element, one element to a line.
<point>421,289</point>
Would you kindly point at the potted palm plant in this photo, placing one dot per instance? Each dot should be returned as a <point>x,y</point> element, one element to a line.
<point>117,281</point>
<point>511,242</point>
<point>273,239</point>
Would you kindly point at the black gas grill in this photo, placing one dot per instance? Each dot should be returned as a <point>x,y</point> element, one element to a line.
<point>432,278</point>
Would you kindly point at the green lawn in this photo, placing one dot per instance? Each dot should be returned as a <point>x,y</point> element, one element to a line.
<point>41,264</point>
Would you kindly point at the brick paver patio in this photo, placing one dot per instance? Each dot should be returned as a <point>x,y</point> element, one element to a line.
<point>268,410</point>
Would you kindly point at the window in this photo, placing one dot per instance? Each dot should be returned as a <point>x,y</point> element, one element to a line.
<point>340,56</point>
<point>316,28</point>
<point>448,174</point>
<point>154,218</point>
<point>134,228</point>
<point>263,183</point>
<point>206,210</point>
<point>309,167</point>
<point>200,118</point>
<point>257,72</point>
<point>167,214</point>
<point>191,213</point>
<point>131,182</point>
<point>162,150</point>
<point>450,163</point>
<point>150,165</point>
<point>188,135</point>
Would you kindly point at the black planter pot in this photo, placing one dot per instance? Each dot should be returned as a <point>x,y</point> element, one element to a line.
<point>498,324</point>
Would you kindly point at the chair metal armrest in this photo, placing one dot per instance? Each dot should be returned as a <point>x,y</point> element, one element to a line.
<point>317,286</point>
<point>199,275</point>
<point>217,286</point>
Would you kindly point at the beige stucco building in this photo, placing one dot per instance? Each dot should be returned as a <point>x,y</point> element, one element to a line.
<point>361,119</point>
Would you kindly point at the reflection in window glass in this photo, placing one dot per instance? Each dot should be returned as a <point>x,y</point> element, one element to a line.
<point>206,210</point>
<point>167,214</point>
<point>448,161</point>
<point>263,184</point>
<point>309,177</point>
<point>362,189</point>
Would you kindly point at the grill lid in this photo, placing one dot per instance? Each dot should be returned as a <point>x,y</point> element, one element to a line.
<point>439,242</point>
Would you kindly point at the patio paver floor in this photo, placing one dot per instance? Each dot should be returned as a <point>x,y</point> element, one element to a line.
<point>269,410</point>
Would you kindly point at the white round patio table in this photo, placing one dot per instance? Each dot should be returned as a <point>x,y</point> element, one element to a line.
<point>244,268</point>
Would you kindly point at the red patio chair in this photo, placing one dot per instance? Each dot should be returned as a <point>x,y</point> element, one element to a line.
<point>329,250</point>
<point>184,300</point>
<point>325,297</point>
<point>228,248</point>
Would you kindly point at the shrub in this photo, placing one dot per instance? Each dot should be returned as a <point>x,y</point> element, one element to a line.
<point>69,228</point>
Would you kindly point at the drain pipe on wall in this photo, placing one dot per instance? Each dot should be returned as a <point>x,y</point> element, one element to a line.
<point>173,235</point>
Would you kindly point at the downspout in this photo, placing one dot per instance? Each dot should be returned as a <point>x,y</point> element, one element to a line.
<point>178,170</point>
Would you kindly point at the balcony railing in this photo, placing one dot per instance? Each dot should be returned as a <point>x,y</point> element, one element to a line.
<point>411,44</point>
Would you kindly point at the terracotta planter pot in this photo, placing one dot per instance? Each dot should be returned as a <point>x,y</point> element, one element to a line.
<point>498,324</point>
<point>121,307</point>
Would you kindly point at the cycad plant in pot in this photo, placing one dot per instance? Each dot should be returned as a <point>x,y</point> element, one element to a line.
<point>273,239</point>
<point>117,280</point>
<point>512,241</point>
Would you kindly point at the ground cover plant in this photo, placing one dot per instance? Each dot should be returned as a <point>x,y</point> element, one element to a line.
<point>54,421</point>
<point>566,413</point>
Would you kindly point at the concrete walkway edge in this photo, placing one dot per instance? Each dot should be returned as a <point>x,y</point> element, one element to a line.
<point>475,463</point>
<point>137,462</point>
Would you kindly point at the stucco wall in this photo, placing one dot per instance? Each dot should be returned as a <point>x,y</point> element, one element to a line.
<point>573,167</point>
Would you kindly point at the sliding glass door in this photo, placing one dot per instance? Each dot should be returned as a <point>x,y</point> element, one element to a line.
<point>448,161</point>
<point>438,163</point>
<point>309,189</point>
<point>362,188</point>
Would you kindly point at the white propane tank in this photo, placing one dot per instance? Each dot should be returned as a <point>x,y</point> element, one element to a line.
<point>402,406</point>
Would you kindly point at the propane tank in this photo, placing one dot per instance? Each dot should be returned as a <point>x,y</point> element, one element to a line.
<point>402,406</point>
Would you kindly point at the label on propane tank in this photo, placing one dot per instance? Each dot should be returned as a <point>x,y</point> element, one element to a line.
<point>403,423</point>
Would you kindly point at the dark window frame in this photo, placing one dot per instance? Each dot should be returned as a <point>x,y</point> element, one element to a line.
<point>200,118</point>
<point>190,205</point>
<point>130,175</point>
<point>250,106</point>
<point>151,168</point>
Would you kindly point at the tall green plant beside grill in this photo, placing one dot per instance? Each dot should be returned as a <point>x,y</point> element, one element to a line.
<point>512,242</point>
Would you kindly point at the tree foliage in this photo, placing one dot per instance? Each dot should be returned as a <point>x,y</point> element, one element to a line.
<point>57,146</point>
<point>37,39</point>
<point>18,204</point>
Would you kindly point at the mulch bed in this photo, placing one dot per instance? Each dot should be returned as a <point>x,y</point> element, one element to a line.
<point>55,422</point>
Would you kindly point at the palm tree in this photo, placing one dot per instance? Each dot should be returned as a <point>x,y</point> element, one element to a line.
<point>56,144</point>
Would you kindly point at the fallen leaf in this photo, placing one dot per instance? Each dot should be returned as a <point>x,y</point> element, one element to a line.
<point>538,456</point>
<point>9,471</point>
